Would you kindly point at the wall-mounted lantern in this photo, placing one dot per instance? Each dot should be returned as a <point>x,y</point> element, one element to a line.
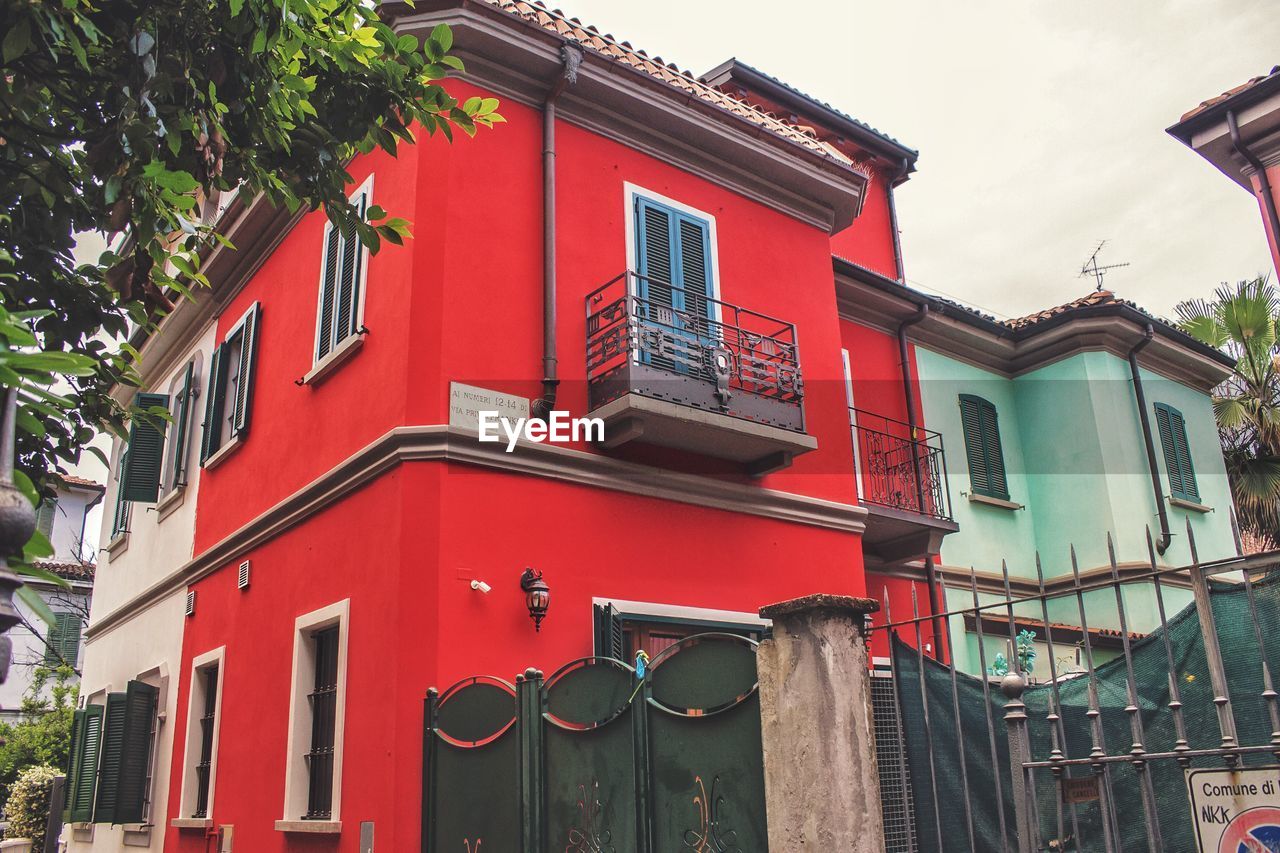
<point>537,596</point>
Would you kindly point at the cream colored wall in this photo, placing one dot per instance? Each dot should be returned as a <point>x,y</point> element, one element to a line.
<point>146,646</point>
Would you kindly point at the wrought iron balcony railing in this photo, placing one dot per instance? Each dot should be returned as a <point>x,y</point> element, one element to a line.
<point>900,470</point>
<point>712,355</point>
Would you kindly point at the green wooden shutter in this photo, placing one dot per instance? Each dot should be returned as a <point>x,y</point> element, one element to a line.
<point>70,769</point>
<point>135,752</point>
<point>983,449</point>
<point>608,631</point>
<point>181,416</point>
<point>120,517</point>
<point>104,809</point>
<point>89,743</point>
<point>243,403</point>
<point>141,481</point>
<point>63,641</point>
<point>1177,453</point>
<point>213,409</point>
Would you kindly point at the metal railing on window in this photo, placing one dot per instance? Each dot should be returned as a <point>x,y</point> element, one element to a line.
<point>324,707</point>
<point>900,468</point>
<point>712,355</point>
<point>204,767</point>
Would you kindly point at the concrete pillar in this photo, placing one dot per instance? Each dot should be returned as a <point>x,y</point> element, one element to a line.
<point>821,787</point>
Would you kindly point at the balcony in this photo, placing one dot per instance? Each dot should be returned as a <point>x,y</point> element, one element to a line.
<point>902,481</point>
<point>716,380</point>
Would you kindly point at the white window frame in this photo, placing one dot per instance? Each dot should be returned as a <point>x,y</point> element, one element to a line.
<point>303,677</point>
<point>196,695</point>
<point>853,423</point>
<point>343,349</point>
<point>631,192</point>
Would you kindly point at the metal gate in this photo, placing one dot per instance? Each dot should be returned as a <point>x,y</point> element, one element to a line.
<point>599,759</point>
<point>1094,757</point>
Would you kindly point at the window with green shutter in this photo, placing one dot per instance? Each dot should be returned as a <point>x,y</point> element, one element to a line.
<point>183,398</point>
<point>85,745</point>
<point>120,515</point>
<point>229,397</point>
<point>141,480</point>
<point>63,641</point>
<point>1177,453</point>
<point>982,447</point>
<point>341,283</point>
<point>124,770</point>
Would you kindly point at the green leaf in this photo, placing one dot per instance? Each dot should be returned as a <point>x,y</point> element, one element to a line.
<point>236,6</point>
<point>24,484</point>
<point>32,599</point>
<point>16,41</point>
<point>443,36</point>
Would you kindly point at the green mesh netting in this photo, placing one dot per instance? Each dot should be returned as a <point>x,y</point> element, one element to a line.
<point>1244,677</point>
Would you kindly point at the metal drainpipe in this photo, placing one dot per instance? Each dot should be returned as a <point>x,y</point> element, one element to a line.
<point>893,226</point>
<point>913,424</point>
<point>1264,182</point>
<point>1165,536</point>
<point>543,406</point>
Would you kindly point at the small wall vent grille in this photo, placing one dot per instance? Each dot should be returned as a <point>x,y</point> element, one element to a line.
<point>243,580</point>
<point>191,602</point>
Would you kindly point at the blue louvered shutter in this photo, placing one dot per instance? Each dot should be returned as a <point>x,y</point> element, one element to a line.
<point>694,278</point>
<point>1177,453</point>
<point>141,481</point>
<point>983,448</point>
<point>655,244</point>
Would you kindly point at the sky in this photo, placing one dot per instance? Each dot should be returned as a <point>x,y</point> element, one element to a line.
<point>1040,125</point>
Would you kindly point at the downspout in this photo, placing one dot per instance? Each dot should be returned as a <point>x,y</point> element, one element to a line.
<point>893,224</point>
<point>543,406</point>
<point>1165,536</point>
<point>913,424</point>
<point>1264,182</point>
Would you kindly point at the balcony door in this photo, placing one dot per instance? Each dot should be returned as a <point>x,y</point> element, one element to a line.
<point>675,287</point>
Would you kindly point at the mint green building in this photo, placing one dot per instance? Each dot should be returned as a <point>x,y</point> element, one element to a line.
<point>1045,450</point>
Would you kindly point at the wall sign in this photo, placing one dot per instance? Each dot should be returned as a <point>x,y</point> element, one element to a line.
<point>466,402</point>
<point>1235,811</point>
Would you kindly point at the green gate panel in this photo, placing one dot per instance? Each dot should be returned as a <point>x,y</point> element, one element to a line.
<point>590,758</point>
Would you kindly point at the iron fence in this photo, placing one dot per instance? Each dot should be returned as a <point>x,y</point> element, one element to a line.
<point>711,354</point>
<point>900,466</point>
<point>1098,756</point>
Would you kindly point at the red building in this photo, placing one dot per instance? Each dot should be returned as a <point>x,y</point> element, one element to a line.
<point>331,536</point>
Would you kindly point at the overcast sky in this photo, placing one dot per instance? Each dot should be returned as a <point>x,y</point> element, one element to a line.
<point>1040,126</point>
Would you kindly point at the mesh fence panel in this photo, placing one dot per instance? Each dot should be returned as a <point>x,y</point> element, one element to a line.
<point>895,797</point>
<point>941,825</point>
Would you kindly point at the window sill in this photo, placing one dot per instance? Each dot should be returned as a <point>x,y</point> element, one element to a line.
<point>313,827</point>
<point>223,452</point>
<point>330,362</point>
<point>118,545</point>
<point>990,501</point>
<point>169,503</point>
<point>136,835</point>
<point>191,823</point>
<point>1191,505</point>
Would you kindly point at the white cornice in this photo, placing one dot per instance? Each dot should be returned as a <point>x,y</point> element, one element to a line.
<point>439,443</point>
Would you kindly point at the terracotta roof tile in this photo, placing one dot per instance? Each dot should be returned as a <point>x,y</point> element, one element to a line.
<point>73,480</point>
<point>1230,93</point>
<point>607,46</point>
<point>69,571</point>
<point>1097,297</point>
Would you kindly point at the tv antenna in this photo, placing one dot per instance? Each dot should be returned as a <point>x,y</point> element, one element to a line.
<point>1093,268</point>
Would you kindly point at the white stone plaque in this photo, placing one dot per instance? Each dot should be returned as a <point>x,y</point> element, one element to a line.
<point>466,402</point>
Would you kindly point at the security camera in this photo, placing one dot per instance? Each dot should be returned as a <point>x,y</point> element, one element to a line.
<point>482,586</point>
